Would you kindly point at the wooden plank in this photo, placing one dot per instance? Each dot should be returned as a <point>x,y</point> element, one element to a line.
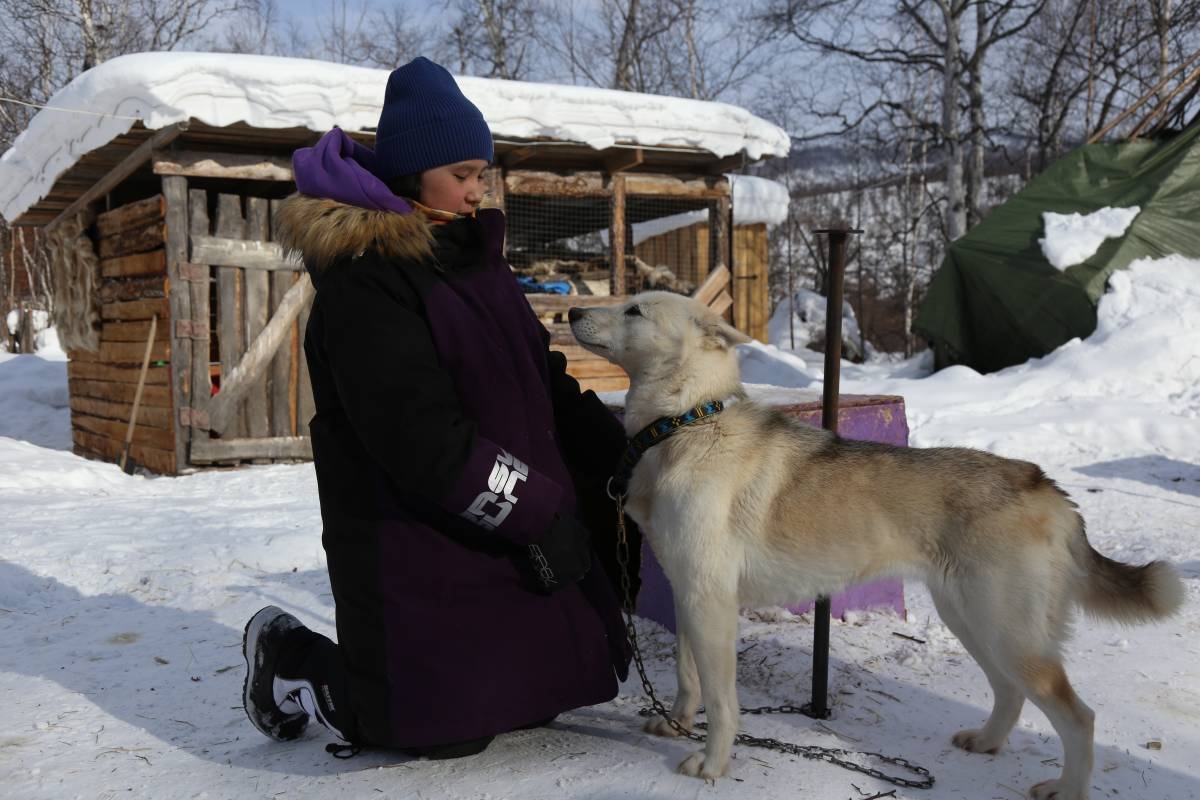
<point>136,309</point>
<point>176,193</point>
<point>721,304</point>
<point>134,352</point>
<point>131,215</point>
<point>120,172</point>
<point>617,284</point>
<point>157,396</point>
<point>151,263</point>
<point>230,330</point>
<point>236,383</point>
<point>132,332</point>
<point>677,186</point>
<point>574,184</point>
<point>134,240</point>
<point>281,385</point>
<point>150,416</point>
<point>92,445</point>
<point>92,370</point>
<point>198,295</point>
<point>713,285</point>
<point>561,303</point>
<point>220,450</point>
<point>256,312</point>
<point>236,166</point>
<point>116,429</point>
<point>244,253</point>
<point>116,290</point>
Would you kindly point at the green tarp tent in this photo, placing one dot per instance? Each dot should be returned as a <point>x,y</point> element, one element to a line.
<point>997,301</point>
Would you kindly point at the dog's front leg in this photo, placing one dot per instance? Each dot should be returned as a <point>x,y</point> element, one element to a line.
<point>687,696</point>
<point>709,624</point>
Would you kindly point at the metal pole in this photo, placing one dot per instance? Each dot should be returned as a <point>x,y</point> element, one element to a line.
<point>818,706</point>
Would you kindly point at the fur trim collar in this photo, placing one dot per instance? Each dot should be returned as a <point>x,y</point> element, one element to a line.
<point>323,231</point>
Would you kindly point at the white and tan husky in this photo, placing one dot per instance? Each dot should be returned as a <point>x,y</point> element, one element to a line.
<point>749,508</point>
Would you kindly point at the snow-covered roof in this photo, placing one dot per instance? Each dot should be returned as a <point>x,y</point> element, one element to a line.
<point>220,89</point>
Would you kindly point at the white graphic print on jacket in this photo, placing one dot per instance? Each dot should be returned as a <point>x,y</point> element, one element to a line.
<point>492,506</point>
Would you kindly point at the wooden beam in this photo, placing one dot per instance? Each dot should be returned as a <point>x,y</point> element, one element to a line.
<point>258,354</point>
<point>621,159</point>
<point>562,303</point>
<point>237,166</point>
<point>575,184</point>
<point>244,253</point>
<point>514,157</point>
<point>677,186</point>
<point>151,263</point>
<point>208,451</point>
<point>728,164</point>
<point>131,215</point>
<point>127,167</point>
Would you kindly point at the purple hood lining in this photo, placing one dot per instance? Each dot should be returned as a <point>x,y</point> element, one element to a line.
<point>339,168</point>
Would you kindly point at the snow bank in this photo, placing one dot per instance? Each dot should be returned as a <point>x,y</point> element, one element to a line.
<point>270,92</point>
<point>1074,238</point>
<point>808,322</point>
<point>33,395</point>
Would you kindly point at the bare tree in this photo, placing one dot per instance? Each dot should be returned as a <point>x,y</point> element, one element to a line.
<point>494,38</point>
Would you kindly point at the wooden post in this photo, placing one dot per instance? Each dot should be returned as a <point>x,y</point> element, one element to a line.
<point>722,255</point>
<point>257,302</point>
<point>200,327</point>
<point>617,235</point>
<point>230,327</point>
<point>175,192</point>
<point>494,178</point>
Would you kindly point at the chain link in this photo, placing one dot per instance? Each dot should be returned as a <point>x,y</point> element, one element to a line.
<point>830,755</point>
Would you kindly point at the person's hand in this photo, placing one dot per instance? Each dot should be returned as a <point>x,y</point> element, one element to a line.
<point>563,555</point>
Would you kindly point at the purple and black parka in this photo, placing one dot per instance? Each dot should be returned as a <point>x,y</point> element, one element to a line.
<point>447,437</point>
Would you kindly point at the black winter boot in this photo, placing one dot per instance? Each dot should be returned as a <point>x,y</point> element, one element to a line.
<point>262,645</point>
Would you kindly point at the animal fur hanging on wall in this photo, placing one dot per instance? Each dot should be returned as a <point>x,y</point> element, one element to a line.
<point>75,269</point>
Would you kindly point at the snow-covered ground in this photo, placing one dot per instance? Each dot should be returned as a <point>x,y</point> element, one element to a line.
<point>122,601</point>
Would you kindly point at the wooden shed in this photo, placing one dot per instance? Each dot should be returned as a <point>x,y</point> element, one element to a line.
<point>175,224</point>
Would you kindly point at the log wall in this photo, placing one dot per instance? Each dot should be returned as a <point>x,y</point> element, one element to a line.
<point>133,287</point>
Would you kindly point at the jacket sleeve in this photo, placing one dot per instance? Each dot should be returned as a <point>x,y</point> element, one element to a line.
<point>404,407</point>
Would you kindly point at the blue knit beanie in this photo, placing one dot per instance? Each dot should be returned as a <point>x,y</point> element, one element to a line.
<point>426,122</point>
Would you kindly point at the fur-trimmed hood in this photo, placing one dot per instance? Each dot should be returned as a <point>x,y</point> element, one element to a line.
<point>323,231</point>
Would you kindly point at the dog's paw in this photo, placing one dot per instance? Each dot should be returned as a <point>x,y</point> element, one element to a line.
<point>697,766</point>
<point>973,742</point>
<point>660,727</point>
<point>1056,789</point>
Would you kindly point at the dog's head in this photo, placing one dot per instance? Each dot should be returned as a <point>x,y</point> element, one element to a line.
<point>654,335</point>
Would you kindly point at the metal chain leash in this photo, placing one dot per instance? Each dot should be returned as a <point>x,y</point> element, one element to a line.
<point>814,752</point>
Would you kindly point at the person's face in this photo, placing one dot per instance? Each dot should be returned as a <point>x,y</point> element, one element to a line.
<point>457,188</point>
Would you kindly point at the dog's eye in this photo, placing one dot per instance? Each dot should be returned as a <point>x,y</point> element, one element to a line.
<point>633,311</point>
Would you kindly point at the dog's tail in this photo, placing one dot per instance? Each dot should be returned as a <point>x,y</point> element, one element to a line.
<point>1124,592</point>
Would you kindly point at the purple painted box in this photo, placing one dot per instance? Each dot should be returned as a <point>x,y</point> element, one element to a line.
<point>867,418</point>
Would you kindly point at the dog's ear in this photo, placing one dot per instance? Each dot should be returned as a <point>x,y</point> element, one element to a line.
<point>718,333</point>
